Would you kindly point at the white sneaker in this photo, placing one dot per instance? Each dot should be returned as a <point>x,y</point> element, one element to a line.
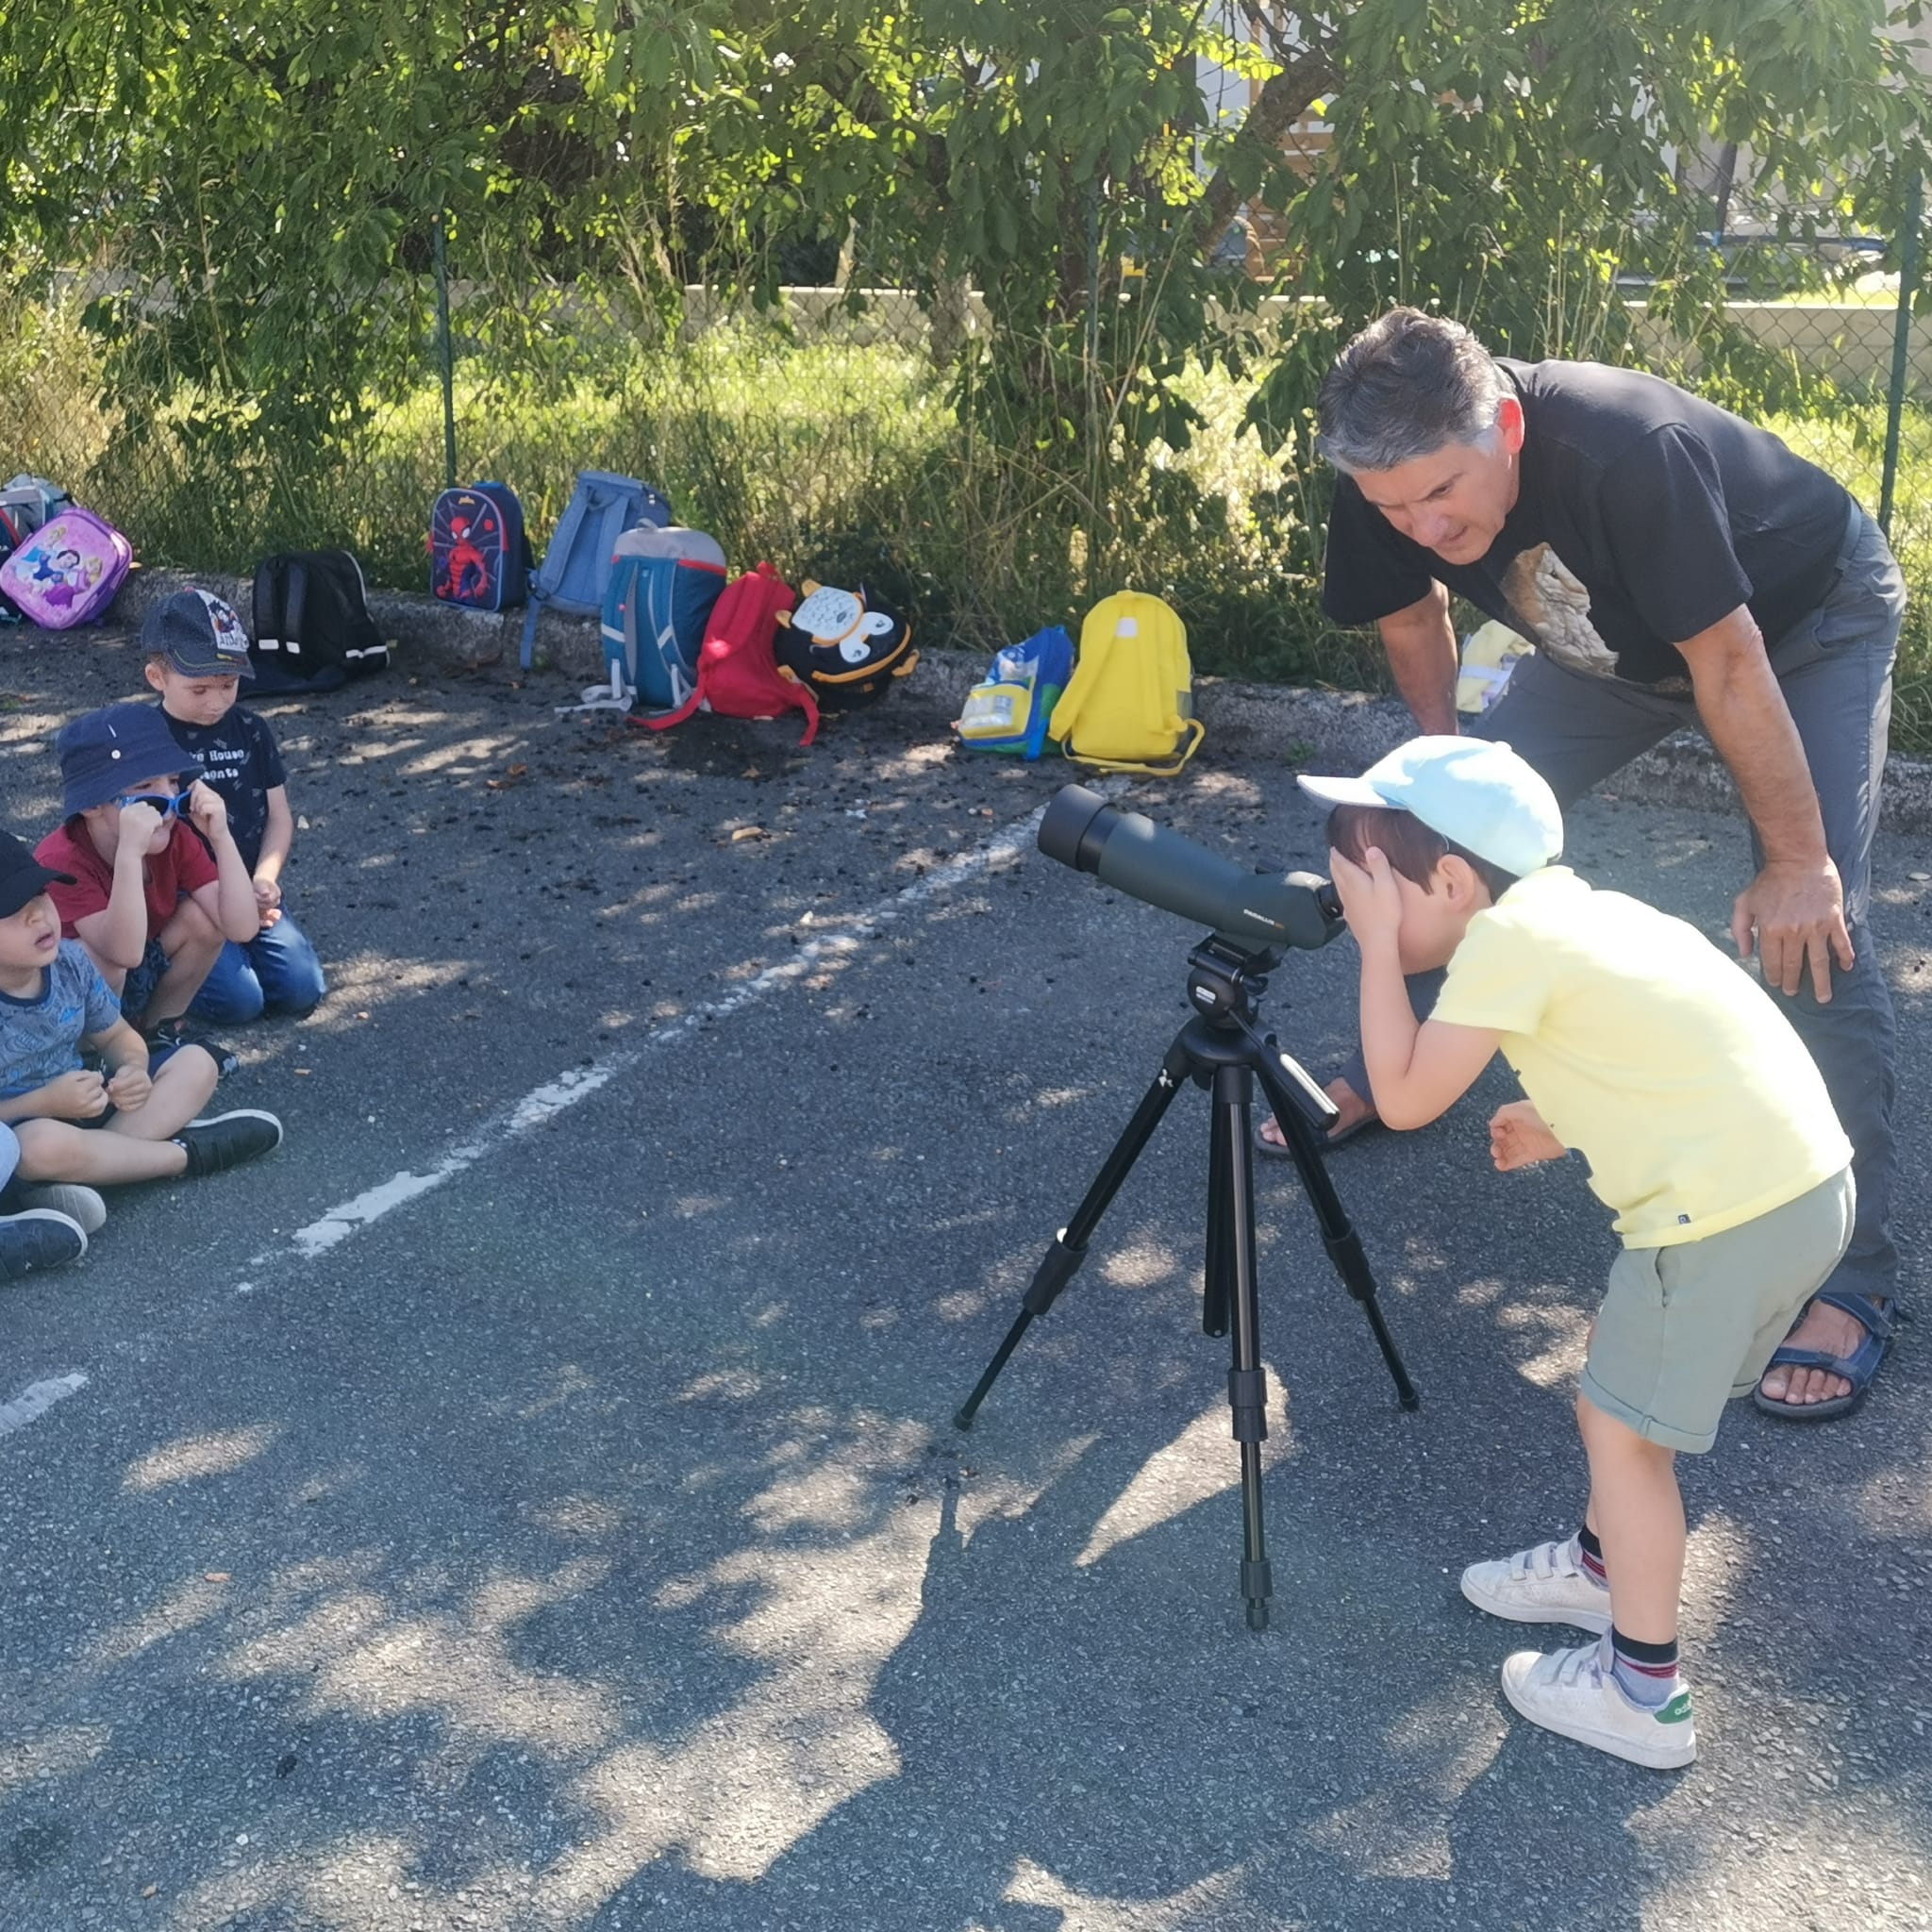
<point>1546,1585</point>
<point>68,1198</point>
<point>1575,1693</point>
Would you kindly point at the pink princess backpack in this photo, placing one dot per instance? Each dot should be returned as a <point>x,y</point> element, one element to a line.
<point>67,572</point>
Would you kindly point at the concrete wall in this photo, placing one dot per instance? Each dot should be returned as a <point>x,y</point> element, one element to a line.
<point>1848,342</point>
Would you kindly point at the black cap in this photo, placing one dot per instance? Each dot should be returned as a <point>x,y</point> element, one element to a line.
<point>23,877</point>
<point>198,633</point>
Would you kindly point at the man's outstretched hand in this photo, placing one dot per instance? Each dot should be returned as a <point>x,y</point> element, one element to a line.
<point>1797,913</point>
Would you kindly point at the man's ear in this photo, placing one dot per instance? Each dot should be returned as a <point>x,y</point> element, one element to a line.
<point>1509,421</point>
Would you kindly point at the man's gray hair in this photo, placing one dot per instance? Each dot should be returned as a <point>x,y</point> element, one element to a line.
<point>1407,385</point>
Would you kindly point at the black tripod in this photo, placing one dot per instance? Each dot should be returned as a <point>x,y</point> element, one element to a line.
<point>1222,1050</point>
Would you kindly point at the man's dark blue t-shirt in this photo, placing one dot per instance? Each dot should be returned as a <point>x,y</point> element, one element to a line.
<point>239,759</point>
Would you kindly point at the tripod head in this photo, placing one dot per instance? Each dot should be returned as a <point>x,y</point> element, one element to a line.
<point>1226,982</point>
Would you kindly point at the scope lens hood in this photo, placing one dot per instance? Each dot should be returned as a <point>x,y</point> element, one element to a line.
<point>1070,832</point>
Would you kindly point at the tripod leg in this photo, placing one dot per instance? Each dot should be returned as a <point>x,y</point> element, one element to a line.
<point>1070,1245</point>
<point>1337,1232</point>
<point>1247,1380</point>
<point>1215,1277</point>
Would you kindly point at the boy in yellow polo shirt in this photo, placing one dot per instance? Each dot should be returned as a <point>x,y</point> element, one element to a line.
<point>1707,1131</point>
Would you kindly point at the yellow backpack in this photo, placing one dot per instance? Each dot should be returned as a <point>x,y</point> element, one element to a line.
<point>1130,707</point>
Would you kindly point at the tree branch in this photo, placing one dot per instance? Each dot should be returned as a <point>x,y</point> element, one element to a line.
<point>1256,149</point>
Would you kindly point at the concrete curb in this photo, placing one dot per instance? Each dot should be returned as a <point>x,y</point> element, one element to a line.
<point>1339,730</point>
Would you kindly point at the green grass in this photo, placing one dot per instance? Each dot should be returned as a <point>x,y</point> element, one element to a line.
<point>844,461</point>
<point>1852,448</point>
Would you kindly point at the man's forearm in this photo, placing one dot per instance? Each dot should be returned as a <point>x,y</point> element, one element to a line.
<point>1420,643</point>
<point>1744,712</point>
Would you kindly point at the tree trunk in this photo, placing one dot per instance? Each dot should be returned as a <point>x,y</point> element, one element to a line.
<point>1255,151</point>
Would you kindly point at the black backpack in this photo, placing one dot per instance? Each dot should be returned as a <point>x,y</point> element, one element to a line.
<point>312,627</point>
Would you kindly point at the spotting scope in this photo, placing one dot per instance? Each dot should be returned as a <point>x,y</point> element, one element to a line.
<point>1147,861</point>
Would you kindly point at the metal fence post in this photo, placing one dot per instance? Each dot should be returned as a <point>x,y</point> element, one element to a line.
<point>1901,344</point>
<point>446,356</point>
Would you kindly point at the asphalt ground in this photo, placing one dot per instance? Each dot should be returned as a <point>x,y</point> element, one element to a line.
<point>529,1499</point>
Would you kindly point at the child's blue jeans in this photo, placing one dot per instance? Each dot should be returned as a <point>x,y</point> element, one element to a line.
<point>275,971</point>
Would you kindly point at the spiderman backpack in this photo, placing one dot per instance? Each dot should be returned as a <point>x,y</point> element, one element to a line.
<point>737,675</point>
<point>478,554</point>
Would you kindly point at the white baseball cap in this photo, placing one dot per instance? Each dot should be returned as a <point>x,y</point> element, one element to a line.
<point>1473,790</point>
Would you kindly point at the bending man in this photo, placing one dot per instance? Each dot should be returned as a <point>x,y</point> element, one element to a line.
<point>1673,564</point>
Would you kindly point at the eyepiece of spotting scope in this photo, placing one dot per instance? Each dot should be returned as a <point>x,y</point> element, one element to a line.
<point>1147,861</point>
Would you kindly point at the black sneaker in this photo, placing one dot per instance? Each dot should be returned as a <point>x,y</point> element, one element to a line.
<point>227,1139</point>
<point>169,1036</point>
<point>38,1238</point>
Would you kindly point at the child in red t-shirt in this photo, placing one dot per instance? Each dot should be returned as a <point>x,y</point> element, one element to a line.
<point>152,901</point>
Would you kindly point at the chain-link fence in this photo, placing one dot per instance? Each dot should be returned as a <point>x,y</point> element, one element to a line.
<point>841,436</point>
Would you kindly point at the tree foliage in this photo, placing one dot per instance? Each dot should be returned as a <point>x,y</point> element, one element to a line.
<point>267,180</point>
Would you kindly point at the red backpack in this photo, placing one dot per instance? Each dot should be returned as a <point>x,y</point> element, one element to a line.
<point>738,662</point>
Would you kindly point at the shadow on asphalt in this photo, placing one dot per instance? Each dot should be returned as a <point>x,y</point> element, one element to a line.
<point>587,1546</point>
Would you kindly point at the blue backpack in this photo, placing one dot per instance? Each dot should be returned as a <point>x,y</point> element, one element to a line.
<point>663,584</point>
<point>1009,709</point>
<point>478,554</point>
<point>576,568</point>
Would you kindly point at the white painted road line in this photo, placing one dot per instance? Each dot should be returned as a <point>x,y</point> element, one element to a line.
<point>36,1399</point>
<point>545,1103</point>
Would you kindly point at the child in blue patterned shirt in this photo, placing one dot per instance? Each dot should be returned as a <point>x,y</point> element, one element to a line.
<point>78,1125</point>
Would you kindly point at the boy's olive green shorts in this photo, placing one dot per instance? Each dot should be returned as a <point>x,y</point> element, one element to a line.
<point>1685,1329</point>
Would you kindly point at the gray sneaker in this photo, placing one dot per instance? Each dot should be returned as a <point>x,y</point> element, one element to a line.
<point>226,1140</point>
<point>66,1197</point>
<point>1546,1585</point>
<point>38,1238</point>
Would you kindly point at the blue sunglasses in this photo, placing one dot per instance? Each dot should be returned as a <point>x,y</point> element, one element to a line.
<point>161,802</point>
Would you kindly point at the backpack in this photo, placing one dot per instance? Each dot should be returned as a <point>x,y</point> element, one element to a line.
<point>67,572</point>
<point>843,647</point>
<point>1008,710</point>
<point>663,585</point>
<point>10,534</point>
<point>479,553</point>
<point>1130,707</point>
<point>738,672</point>
<point>572,577</point>
<point>312,626</point>
<point>29,501</point>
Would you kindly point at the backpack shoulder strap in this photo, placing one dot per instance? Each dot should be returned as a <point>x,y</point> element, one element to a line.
<point>663,721</point>
<point>1192,728</point>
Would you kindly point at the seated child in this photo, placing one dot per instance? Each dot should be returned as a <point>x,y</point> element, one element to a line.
<point>150,900</point>
<point>73,1124</point>
<point>197,656</point>
<point>1708,1133</point>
